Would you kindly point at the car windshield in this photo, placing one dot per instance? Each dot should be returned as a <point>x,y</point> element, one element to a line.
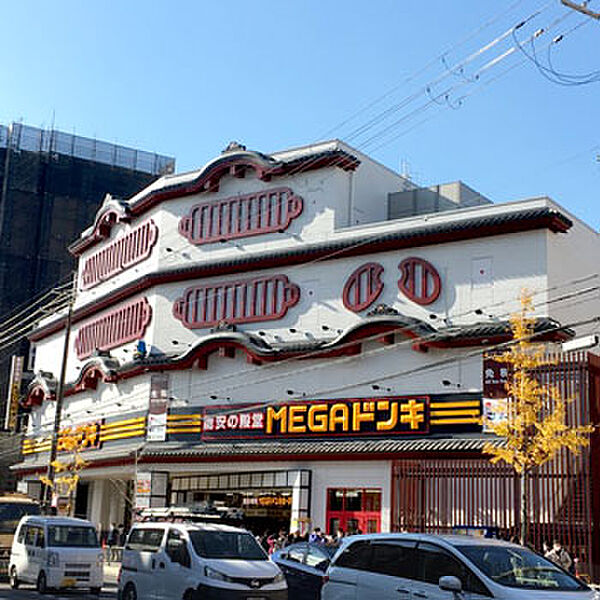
<point>72,536</point>
<point>519,568</point>
<point>11,513</point>
<point>226,544</point>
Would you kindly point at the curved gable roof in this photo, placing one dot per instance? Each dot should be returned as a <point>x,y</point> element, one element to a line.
<point>236,163</point>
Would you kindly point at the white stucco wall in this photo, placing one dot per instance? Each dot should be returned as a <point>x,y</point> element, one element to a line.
<point>574,271</point>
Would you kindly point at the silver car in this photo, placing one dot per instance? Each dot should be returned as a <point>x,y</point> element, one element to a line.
<point>430,567</point>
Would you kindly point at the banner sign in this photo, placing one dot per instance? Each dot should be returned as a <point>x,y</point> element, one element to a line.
<point>143,489</point>
<point>151,489</point>
<point>495,377</point>
<point>322,418</point>
<point>14,388</point>
<point>158,408</point>
<point>495,410</point>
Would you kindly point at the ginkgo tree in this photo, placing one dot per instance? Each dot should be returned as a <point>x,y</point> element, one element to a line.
<point>71,441</point>
<point>536,428</point>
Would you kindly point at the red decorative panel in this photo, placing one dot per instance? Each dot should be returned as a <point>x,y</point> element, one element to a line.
<point>420,281</point>
<point>126,324</point>
<point>246,301</point>
<point>241,216</point>
<point>121,254</point>
<point>363,287</point>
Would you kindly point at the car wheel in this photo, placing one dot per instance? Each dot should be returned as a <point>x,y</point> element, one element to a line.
<point>189,595</point>
<point>129,592</point>
<point>95,591</point>
<point>42,583</point>
<point>13,580</point>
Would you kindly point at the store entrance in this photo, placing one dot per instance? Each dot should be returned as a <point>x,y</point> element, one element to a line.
<point>353,510</point>
<point>260,501</point>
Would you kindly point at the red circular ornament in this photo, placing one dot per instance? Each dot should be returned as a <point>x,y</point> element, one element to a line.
<point>420,281</point>
<point>363,287</point>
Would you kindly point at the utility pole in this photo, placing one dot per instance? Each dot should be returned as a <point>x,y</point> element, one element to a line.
<point>582,8</point>
<point>47,494</point>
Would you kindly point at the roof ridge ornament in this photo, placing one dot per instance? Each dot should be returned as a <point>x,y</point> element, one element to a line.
<point>234,146</point>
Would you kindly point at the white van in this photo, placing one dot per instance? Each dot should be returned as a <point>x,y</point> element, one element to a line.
<point>184,561</point>
<point>56,552</point>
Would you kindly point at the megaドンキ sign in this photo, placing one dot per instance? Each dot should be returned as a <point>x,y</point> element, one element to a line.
<point>322,418</point>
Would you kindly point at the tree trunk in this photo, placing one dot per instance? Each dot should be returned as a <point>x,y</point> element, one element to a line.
<point>524,537</point>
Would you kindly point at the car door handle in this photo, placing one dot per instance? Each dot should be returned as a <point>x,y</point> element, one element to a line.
<point>403,590</point>
<point>420,595</point>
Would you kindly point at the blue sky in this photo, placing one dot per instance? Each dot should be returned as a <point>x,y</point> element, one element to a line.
<point>184,78</point>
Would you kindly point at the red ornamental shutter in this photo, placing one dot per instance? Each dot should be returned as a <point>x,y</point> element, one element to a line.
<point>241,216</point>
<point>363,287</point>
<point>419,281</point>
<point>245,301</point>
<point>123,325</point>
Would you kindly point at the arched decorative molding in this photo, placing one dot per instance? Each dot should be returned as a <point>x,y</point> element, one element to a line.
<point>98,369</point>
<point>42,387</point>
<point>111,212</point>
<point>242,216</point>
<point>381,325</point>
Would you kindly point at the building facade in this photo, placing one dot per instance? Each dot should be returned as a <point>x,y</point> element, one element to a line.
<point>51,186</point>
<point>300,339</point>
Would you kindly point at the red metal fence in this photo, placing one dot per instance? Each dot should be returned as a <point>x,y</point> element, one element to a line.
<point>445,494</point>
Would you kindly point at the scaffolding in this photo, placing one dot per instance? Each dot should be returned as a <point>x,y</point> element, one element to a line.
<point>51,186</point>
<point>17,137</point>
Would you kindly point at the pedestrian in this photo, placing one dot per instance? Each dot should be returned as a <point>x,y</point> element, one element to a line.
<point>122,535</point>
<point>265,540</point>
<point>316,537</point>
<point>546,548</point>
<point>560,556</point>
<point>113,540</point>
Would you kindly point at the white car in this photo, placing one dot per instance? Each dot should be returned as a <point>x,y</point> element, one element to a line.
<point>184,561</point>
<point>56,552</point>
<point>430,567</point>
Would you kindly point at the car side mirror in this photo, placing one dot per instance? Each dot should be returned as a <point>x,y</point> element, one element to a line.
<point>449,583</point>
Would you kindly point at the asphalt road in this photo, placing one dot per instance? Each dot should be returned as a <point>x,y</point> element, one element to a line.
<point>28,592</point>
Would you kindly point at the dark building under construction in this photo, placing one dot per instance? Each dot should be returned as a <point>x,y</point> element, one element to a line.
<point>51,185</point>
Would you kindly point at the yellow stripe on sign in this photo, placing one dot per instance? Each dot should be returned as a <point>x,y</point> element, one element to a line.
<point>123,428</point>
<point>120,436</point>
<point>182,417</point>
<point>455,421</point>
<point>184,430</point>
<point>455,413</point>
<point>461,404</point>
<point>114,424</point>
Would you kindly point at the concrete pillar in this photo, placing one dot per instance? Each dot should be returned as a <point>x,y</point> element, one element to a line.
<point>97,502</point>
<point>299,519</point>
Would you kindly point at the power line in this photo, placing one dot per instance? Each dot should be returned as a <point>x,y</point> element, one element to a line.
<point>442,363</point>
<point>261,380</point>
<point>409,79</point>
